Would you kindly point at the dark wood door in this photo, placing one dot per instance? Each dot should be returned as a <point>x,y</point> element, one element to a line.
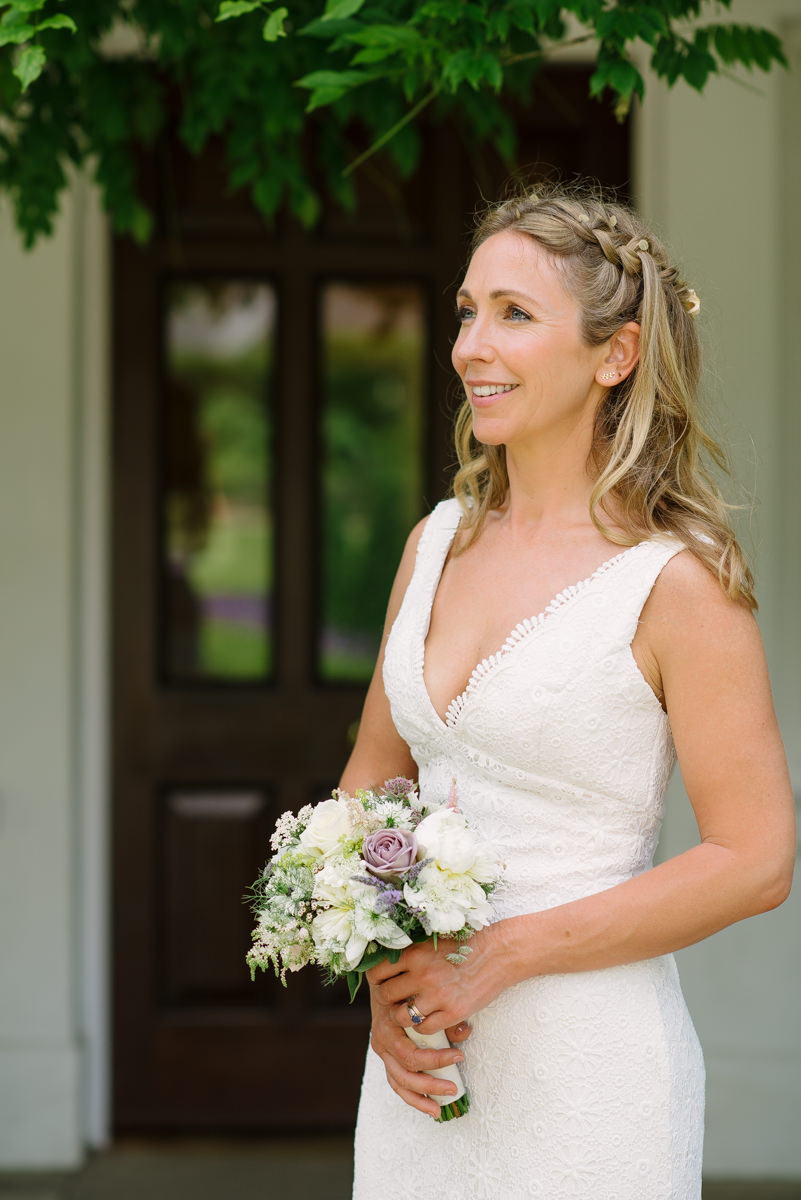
<point>281,417</point>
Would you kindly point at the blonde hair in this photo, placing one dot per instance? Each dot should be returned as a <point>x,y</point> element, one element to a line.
<point>648,445</point>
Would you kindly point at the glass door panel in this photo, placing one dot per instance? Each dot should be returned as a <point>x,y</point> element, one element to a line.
<point>215,504</point>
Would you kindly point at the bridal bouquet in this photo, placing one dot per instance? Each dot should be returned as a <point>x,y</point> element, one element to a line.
<point>355,879</point>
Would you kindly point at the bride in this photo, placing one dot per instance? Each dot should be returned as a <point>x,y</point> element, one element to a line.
<point>577,615</point>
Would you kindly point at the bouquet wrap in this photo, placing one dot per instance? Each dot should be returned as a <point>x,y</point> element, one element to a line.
<point>439,1041</point>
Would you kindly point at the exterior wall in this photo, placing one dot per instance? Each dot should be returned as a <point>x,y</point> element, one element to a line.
<point>39,1053</point>
<point>53,344</point>
<point>721,174</point>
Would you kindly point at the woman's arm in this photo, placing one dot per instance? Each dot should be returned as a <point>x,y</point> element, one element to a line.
<point>380,753</point>
<point>704,653</point>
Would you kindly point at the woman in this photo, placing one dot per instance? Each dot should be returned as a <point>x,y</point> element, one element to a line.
<point>579,449</point>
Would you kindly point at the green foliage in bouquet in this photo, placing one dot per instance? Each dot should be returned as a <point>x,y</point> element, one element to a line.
<point>288,87</point>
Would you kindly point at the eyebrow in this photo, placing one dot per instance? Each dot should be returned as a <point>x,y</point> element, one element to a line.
<point>497,293</point>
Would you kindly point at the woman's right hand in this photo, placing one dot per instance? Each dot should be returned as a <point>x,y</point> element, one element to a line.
<point>406,1064</point>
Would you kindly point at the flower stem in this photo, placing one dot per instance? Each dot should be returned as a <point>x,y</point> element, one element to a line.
<point>457,1108</point>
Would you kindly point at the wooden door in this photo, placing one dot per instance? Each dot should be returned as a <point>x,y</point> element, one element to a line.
<point>281,419</point>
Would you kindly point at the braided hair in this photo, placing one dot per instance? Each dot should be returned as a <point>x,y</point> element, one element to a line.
<point>648,445</point>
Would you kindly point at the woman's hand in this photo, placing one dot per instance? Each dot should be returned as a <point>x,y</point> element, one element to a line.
<point>404,1063</point>
<point>446,993</point>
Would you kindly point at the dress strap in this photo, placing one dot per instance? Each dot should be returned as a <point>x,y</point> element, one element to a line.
<point>629,588</point>
<point>438,532</point>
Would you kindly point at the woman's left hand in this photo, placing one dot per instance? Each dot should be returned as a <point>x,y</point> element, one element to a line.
<point>446,993</point>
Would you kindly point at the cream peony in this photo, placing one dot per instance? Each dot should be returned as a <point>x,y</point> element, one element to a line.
<point>445,837</point>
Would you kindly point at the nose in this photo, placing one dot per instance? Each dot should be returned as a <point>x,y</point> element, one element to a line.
<point>473,344</point>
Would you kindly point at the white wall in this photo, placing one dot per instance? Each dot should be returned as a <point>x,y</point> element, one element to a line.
<point>722,176</point>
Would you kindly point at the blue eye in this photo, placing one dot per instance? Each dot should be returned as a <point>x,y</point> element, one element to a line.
<point>517,314</point>
<point>464,313</point>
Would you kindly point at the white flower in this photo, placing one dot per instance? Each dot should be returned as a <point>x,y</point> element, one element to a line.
<point>334,883</point>
<point>328,825</point>
<point>348,930</point>
<point>395,813</point>
<point>376,926</point>
<point>447,902</point>
<point>333,927</point>
<point>445,837</point>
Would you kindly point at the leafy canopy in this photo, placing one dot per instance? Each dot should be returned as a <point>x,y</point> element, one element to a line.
<point>288,87</point>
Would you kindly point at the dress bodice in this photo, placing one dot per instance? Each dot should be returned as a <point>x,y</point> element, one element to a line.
<point>560,749</point>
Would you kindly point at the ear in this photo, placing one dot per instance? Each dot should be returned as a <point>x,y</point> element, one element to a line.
<point>622,353</point>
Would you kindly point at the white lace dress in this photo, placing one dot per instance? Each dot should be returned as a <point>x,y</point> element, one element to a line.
<point>586,1085</point>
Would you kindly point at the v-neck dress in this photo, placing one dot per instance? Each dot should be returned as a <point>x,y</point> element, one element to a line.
<point>584,1086</point>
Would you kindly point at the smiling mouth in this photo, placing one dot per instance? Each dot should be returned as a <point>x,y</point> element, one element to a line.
<point>492,389</point>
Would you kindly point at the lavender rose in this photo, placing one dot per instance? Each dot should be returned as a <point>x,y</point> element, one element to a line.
<point>389,853</point>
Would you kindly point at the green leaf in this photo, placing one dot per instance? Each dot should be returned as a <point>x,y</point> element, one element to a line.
<point>59,21</point>
<point>328,86</point>
<point>16,35</point>
<point>394,36</point>
<point>340,10</point>
<point>236,8</point>
<point>332,79</point>
<point>267,192</point>
<point>373,54</point>
<point>29,65</point>
<point>328,29</point>
<point>698,65</point>
<point>274,25</point>
<point>306,206</point>
<point>724,44</point>
<point>23,6</point>
<point>141,224</point>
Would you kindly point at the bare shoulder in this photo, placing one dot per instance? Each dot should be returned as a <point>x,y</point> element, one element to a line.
<point>695,641</point>
<point>688,605</point>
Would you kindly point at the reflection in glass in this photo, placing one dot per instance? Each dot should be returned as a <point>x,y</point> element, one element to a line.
<point>217,559</point>
<point>373,357</point>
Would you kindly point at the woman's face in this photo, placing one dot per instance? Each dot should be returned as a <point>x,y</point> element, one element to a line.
<point>525,367</point>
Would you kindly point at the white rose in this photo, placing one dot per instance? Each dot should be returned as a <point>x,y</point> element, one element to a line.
<point>328,825</point>
<point>445,837</point>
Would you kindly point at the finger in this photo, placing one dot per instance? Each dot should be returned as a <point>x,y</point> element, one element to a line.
<point>434,1021</point>
<point>415,1058</point>
<point>395,989</point>
<point>458,1033</point>
<point>417,1088</point>
<point>422,1103</point>
<point>402,1015</point>
<point>382,971</point>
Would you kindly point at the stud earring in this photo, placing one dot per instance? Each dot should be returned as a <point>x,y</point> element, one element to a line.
<point>609,374</point>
